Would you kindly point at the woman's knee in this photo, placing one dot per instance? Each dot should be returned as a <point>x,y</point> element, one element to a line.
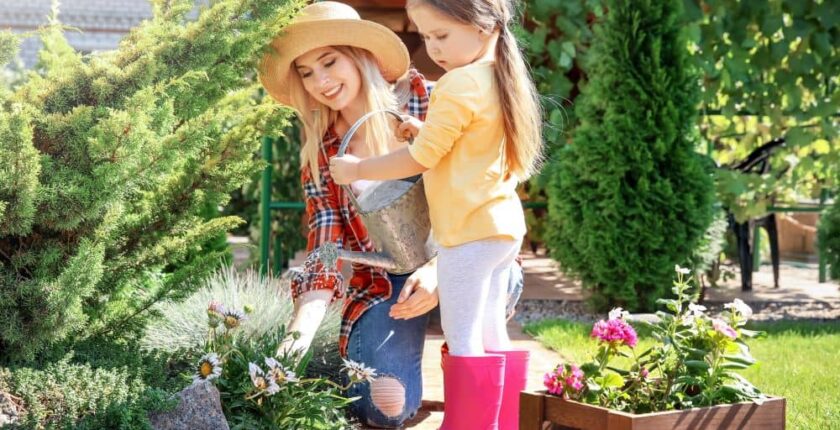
<point>387,394</point>
<point>387,406</point>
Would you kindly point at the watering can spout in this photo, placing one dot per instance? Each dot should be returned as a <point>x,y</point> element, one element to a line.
<point>376,259</point>
<point>330,253</point>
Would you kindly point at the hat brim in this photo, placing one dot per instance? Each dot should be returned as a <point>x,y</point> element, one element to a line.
<point>298,39</point>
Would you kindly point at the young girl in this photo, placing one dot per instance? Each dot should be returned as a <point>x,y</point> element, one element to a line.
<point>481,137</point>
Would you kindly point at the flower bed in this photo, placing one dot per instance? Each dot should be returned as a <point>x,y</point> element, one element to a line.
<point>687,379</point>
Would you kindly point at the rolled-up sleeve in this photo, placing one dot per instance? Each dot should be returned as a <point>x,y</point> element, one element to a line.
<point>451,110</point>
<point>325,225</point>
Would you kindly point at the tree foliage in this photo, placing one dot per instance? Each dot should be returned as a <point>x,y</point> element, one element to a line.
<point>829,238</point>
<point>770,70</point>
<point>630,196</point>
<point>109,160</point>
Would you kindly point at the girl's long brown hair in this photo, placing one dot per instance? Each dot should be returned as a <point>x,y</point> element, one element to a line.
<point>520,104</point>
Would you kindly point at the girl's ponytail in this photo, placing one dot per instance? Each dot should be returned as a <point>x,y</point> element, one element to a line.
<point>521,110</point>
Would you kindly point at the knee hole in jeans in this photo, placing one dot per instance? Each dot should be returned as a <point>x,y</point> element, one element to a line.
<point>388,396</point>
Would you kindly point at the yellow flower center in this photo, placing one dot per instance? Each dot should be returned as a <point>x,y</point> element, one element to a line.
<point>206,369</point>
<point>231,321</point>
<point>261,383</point>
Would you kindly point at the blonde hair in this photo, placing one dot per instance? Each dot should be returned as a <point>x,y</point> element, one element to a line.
<point>521,110</point>
<point>316,117</point>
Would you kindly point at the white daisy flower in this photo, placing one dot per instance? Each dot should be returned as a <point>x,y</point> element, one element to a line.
<point>358,371</point>
<point>209,368</point>
<point>260,381</point>
<point>278,373</point>
<point>233,318</point>
<point>682,270</point>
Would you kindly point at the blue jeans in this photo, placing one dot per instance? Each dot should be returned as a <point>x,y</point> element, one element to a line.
<point>395,349</point>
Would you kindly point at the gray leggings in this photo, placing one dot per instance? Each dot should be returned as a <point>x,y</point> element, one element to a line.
<point>473,281</point>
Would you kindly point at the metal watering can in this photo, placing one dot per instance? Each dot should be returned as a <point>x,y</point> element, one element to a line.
<point>398,228</point>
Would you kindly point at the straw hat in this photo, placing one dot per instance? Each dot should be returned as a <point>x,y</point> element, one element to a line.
<point>329,23</point>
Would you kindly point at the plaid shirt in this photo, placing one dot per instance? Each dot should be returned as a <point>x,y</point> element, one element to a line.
<point>333,219</point>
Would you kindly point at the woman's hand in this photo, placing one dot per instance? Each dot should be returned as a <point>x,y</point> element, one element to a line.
<point>345,169</point>
<point>418,296</point>
<point>310,309</point>
<point>409,128</point>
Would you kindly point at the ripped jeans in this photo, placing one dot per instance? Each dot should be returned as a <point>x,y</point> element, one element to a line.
<point>395,349</point>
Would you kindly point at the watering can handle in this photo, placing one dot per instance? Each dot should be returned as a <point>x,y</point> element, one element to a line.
<point>345,142</point>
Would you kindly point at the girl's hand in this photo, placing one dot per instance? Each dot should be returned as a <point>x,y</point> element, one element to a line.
<point>344,170</point>
<point>409,128</point>
<point>418,296</point>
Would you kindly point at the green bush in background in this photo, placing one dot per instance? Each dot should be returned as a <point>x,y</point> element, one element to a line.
<point>630,197</point>
<point>829,238</point>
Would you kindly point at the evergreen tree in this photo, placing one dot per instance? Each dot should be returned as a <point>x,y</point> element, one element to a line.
<point>829,238</point>
<point>630,197</point>
<point>109,160</point>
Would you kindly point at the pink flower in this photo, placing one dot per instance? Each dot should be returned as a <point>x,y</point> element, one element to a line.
<point>644,373</point>
<point>724,328</point>
<point>215,313</point>
<point>553,383</point>
<point>615,331</point>
<point>566,378</point>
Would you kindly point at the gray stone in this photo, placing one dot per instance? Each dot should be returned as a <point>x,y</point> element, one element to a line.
<point>9,410</point>
<point>199,408</point>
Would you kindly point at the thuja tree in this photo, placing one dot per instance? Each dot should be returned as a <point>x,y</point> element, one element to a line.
<point>110,159</point>
<point>829,237</point>
<point>630,197</point>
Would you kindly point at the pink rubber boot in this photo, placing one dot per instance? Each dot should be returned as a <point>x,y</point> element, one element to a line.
<point>472,392</point>
<point>516,379</point>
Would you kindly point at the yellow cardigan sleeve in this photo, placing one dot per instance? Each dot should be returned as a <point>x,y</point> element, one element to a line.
<point>452,107</point>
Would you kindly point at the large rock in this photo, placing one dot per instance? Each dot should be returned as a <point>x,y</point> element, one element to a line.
<point>200,408</point>
<point>9,410</point>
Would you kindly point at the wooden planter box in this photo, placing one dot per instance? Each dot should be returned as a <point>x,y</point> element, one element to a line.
<point>539,408</point>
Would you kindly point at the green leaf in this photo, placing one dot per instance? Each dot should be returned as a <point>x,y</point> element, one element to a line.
<point>743,359</point>
<point>697,364</point>
<point>610,380</point>
<point>734,365</point>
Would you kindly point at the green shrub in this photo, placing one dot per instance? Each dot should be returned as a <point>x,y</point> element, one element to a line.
<point>829,238</point>
<point>629,198</point>
<point>109,159</point>
<point>101,384</point>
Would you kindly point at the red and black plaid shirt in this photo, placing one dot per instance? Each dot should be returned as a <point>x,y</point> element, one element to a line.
<point>333,219</point>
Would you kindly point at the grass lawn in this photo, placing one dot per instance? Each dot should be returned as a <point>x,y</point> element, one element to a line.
<point>796,360</point>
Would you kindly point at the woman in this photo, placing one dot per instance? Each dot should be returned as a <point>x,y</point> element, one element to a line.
<point>332,67</point>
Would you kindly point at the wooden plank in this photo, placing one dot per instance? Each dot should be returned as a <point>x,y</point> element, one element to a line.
<point>619,421</point>
<point>576,415</point>
<point>531,411</point>
<point>567,414</point>
<point>743,416</point>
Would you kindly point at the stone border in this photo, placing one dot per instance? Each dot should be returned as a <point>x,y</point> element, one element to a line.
<point>532,310</point>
